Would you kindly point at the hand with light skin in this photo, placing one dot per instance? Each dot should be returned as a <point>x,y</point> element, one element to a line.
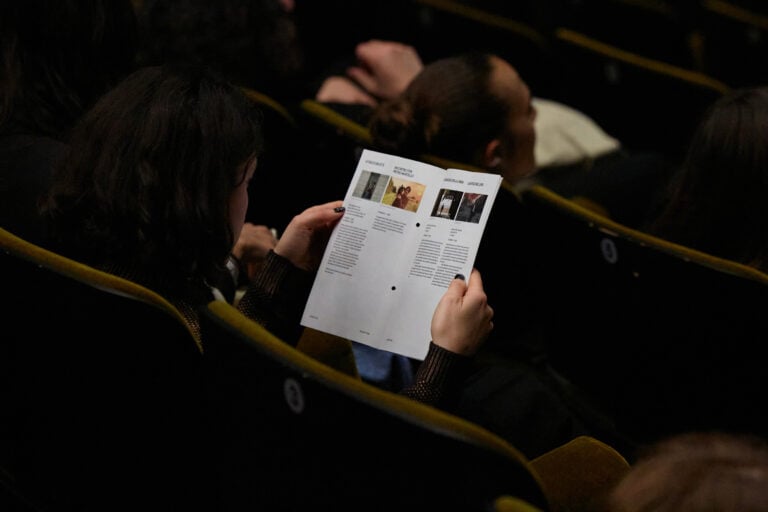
<point>340,89</point>
<point>252,246</point>
<point>462,319</point>
<point>304,239</point>
<point>385,68</point>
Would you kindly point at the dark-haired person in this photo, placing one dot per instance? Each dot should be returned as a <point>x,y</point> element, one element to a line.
<point>716,201</point>
<point>472,108</point>
<point>475,109</point>
<point>259,44</point>
<point>154,188</point>
<point>57,59</point>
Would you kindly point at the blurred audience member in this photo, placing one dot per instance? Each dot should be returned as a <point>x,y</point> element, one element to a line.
<point>383,69</point>
<point>254,43</point>
<point>475,109</point>
<point>258,44</point>
<point>57,59</point>
<point>696,472</point>
<point>716,202</point>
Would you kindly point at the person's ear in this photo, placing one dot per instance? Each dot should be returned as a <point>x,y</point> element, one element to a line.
<point>492,154</point>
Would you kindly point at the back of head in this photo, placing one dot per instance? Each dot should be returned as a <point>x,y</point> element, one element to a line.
<point>59,57</point>
<point>149,174</point>
<point>717,202</point>
<point>253,42</point>
<point>697,472</point>
<point>449,110</point>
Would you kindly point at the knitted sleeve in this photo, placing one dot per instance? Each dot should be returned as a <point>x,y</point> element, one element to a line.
<point>439,378</point>
<point>276,297</point>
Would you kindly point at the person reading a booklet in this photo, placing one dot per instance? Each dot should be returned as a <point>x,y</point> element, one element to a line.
<point>154,189</point>
<point>475,109</point>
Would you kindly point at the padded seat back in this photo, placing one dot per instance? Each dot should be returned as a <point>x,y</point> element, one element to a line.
<point>101,389</point>
<point>665,338</point>
<point>296,434</point>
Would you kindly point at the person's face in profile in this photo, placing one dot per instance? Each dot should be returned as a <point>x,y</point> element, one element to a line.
<point>238,200</point>
<point>516,148</point>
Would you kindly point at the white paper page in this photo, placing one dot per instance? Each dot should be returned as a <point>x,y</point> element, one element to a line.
<point>389,260</point>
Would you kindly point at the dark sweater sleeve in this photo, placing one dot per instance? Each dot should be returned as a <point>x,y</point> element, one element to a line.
<point>276,297</point>
<point>439,378</point>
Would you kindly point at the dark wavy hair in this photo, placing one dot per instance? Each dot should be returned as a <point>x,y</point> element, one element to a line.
<point>252,42</point>
<point>148,178</point>
<point>448,110</point>
<point>717,200</point>
<point>59,57</point>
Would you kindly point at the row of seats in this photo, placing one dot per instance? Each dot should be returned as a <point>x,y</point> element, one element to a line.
<point>663,337</point>
<point>110,401</point>
<point>700,35</point>
<point>647,102</point>
<point>607,58</point>
<point>635,284</point>
<point>109,404</point>
<point>598,66</point>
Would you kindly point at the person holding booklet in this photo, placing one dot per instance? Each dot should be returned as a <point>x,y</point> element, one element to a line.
<point>475,109</point>
<point>387,306</point>
<point>154,188</point>
<point>58,58</point>
<point>715,201</point>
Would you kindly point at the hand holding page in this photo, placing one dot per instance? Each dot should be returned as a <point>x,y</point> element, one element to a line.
<point>408,229</point>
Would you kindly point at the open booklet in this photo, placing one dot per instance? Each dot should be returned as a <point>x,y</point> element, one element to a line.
<point>408,229</point>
